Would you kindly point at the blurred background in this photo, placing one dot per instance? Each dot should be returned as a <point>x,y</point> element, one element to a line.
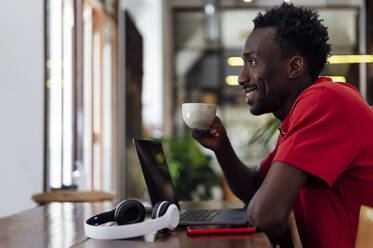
<point>80,78</point>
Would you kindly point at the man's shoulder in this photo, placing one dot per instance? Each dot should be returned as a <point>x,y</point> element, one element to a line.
<point>325,98</point>
<point>329,92</point>
<point>330,87</point>
<point>333,99</point>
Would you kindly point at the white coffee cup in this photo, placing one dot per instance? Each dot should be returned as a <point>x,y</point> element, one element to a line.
<point>198,115</point>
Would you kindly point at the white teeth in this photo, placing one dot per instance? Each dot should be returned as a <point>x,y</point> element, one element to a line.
<point>249,94</point>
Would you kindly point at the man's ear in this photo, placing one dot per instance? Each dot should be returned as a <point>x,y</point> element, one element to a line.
<point>296,67</point>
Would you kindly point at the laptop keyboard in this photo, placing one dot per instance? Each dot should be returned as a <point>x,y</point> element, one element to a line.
<point>199,215</point>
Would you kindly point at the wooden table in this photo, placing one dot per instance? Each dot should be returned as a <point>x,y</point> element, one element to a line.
<point>61,225</point>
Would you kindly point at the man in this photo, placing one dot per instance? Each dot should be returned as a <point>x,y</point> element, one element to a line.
<point>322,166</point>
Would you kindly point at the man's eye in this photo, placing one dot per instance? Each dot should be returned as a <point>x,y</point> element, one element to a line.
<point>252,61</point>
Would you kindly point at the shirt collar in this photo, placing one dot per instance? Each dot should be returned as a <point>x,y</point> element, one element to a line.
<point>285,124</point>
<point>322,79</point>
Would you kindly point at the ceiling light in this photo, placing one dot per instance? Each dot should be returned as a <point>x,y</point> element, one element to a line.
<point>348,59</point>
<point>333,59</point>
<point>231,80</point>
<point>209,9</point>
<point>235,61</point>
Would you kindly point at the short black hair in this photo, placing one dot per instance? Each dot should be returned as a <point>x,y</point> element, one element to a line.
<point>298,30</point>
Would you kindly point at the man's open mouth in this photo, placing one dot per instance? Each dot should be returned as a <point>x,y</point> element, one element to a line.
<point>249,90</point>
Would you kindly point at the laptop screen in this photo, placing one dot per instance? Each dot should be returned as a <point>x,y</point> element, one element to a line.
<point>156,174</point>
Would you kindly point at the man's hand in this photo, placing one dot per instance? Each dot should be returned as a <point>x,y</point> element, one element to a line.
<point>242,180</point>
<point>215,138</point>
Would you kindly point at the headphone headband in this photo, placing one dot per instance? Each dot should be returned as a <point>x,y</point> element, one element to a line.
<point>169,220</point>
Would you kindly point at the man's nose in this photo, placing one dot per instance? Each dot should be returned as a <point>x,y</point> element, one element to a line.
<point>243,77</point>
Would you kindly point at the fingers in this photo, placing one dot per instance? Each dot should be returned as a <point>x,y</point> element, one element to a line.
<point>214,133</point>
<point>216,121</point>
<point>200,133</point>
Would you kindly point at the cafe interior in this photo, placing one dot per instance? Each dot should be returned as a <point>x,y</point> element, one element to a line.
<point>81,78</point>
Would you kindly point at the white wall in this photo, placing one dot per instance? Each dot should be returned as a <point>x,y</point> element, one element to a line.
<point>21,103</point>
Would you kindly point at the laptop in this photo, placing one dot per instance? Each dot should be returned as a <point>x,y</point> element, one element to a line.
<point>160,187</point>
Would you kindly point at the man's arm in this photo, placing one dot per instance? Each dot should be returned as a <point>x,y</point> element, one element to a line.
<point>270,207</point>
<point>243,181</point>
<point>270,200</point>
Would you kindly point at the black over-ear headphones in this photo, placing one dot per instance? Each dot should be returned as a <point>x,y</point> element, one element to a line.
<point>129,215</point>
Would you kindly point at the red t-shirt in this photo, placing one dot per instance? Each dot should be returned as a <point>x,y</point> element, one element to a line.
<point>328,134</point>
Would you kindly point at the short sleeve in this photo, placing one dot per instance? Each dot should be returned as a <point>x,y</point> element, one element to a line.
<point>266,163</point>
<point>319,140</point>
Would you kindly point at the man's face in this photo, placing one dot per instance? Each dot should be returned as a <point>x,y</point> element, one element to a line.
<point>264,75</point>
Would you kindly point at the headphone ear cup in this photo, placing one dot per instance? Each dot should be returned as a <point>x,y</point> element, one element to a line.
<point>160,209</point>
<point>129,212</point>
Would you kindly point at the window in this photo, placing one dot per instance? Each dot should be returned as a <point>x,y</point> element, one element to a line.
<point>81,69</point>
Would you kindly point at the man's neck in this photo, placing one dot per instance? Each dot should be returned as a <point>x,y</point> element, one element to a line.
<point>302,84</point>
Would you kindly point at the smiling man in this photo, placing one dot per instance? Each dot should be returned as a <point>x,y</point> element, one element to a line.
<point>322,166</point>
